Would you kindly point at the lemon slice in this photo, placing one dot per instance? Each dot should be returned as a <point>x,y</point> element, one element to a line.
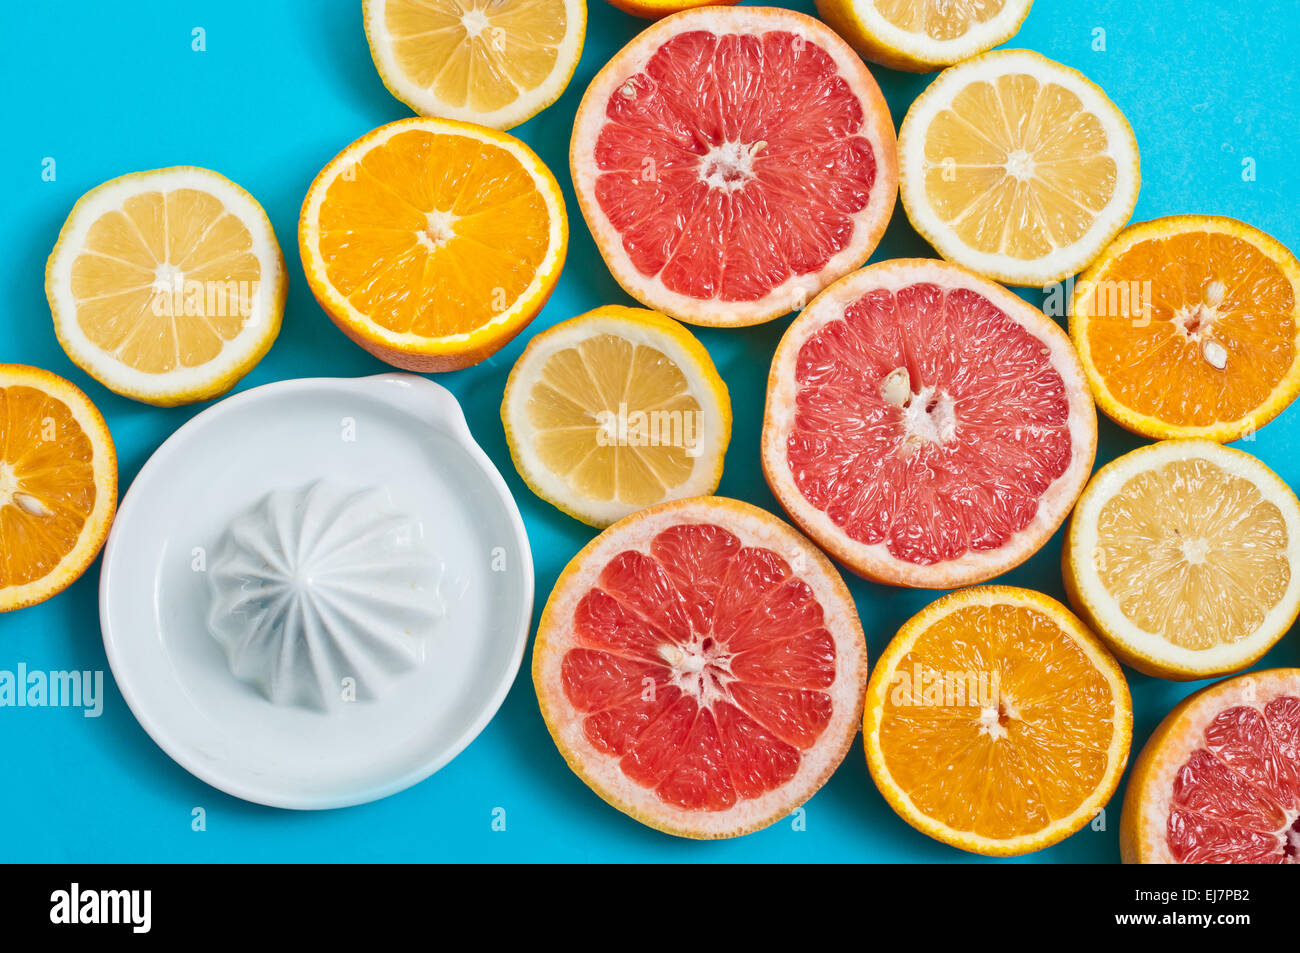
<point>1182,556</point>
<point>493,62</point>
<point>923,35</point>
<point>615,410</point>
<point>1017,167</point>
<point>166,286</point>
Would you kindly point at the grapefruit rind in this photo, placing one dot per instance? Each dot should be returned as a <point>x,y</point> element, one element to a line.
<point>1145,425</point>
<point>416,352</point>
<point>95,528</point>
<point>1144,651</point>
<point>1096,652</point>
<point>1062,263</point>
<point>873,561</point>
<point>641,327</point>
<point>877,129</point>
<point>884,42</point>
<point>1149,795</point>
<point>600,772</point>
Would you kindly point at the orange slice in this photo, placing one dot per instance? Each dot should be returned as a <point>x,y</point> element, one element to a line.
<point>654,9</point>
<point>1189,326</point>
<point>431,243</point>
<point>997,723</point>
<point>58,484</point>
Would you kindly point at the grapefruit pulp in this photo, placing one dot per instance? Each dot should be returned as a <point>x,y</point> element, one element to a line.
<point>701,667</point>
<point>926,426</point>
<point>1219,781</point>
<point>732,162</point>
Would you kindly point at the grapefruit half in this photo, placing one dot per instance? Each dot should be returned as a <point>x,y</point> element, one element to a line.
<point>701,667</point>
<point>1219,781</point>
<point>926,426</point>
<point>732,162</point>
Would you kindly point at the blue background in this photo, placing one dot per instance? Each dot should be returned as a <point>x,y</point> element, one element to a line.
<point>110,88</point>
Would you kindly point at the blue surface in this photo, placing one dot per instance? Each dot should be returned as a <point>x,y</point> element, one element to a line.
<point>110,88</point>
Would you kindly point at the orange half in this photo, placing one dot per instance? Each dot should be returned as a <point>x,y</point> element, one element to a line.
<point>58,484</point>
<point>1189,326</point>
<point>431,243</point>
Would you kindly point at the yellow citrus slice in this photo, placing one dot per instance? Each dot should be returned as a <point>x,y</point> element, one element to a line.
<point>997,723</point>
<point>923,35</point>
<point>654,9</point>
<point>167,286</point>
<point>1189,326</point>
<point>58,484</point>
<point>493,62</point>
<point>615,410</point>
<point>1017,167</point>
<point>1181,556</point>
<point>431,243</point>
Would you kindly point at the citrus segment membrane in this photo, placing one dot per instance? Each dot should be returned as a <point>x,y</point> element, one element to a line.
<point>1011,763</point>
<point>938,19</point>
<point>1192,553</point>
<point>920,418</point>
<point>709,697</point>
<point>1188,327</point>
<point>47,483</point>
<point>730,162</point>
<point>1236,799</point>
<point>747,191</point>
<point>701,667</point>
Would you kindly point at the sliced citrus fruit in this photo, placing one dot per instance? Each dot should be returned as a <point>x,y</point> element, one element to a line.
<point>493,62</point>
<point>1189,326</point>
<point>654,9</point>
<point>732,162</point>
<point>1182,556</point>
<point>926,427</point>
<point>1219,780</point>
<point>58,484</point>
<point>614,410</point>
<point>701,667</point>
<point>431,243</point>
<point>923,35</point>
<point>166,286</point>
<point>997,723</point>
<point>1017,167</point>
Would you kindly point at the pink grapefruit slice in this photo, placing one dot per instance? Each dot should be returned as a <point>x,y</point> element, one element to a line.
<point>701,667</point>
<point>733,162</point>
<point>925,426</point>
<point>1219,781</point>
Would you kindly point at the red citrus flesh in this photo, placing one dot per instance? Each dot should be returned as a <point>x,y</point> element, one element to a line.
<point>1236,798</point>
<point>735,727</point>
<point>739,159</point>
<point>927,427</point>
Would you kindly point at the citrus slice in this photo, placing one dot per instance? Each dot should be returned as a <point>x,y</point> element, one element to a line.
<point>923,35</point>
<point>614,410</point>
<point>1182,556</point>
<point>166,286</point>
<point>1219,780</point>
<point>926,427</point>
<point>701,667</point>
<point>58,484</point>
<point>654,9</point>
<point>431,243</point>
<point>732,162</point>
<point>497,63</point>
<point>997,723</point>
<point>1189,326</point>
<point>1017,167</point>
